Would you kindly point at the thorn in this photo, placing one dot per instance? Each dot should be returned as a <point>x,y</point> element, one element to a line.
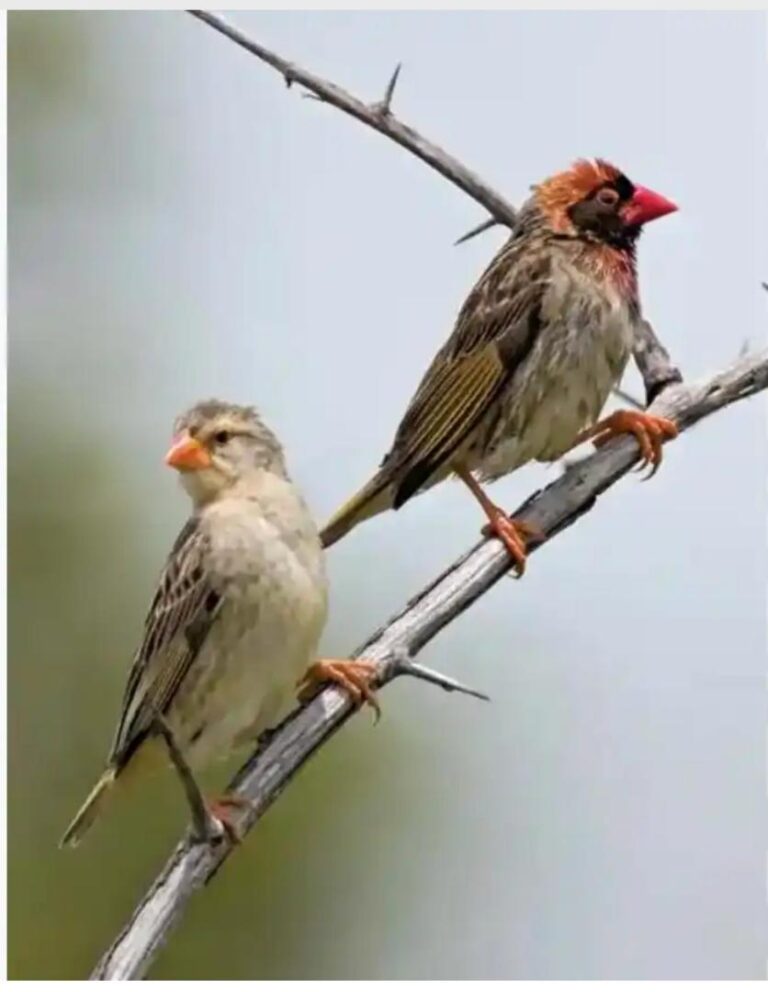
<point>384,107</point>
<point>485,226</point>
<point>404,666</point>
<point>289,78</point>
<point>205,828</point>
<point>388,93</point>
<point>312,96</point>
<point>764,285</point>
<point>629,398</point>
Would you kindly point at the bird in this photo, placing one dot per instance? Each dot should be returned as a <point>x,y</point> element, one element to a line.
<point>234,624</point>
<point>540,341</point>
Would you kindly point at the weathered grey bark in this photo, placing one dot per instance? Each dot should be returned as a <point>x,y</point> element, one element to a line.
<point>376,115</point>
<point>652,360</point>
<point>272,767</point>
<point>651,357</point>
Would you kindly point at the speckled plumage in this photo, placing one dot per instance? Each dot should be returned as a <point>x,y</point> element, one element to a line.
<point>539,343</point>
<point>564,380</point>
<point>239,608</point>
<point>255,565</point>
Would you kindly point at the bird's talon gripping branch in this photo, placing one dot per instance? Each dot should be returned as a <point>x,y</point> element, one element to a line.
<point>514,535</point>
<point>221,809</point>
<point>649,430</point>
<point>354,677</point>
<point>211,819</point>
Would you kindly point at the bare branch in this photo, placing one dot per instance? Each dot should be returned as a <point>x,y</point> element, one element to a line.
<point>652,360</point>
<point>269,771</point>
<point>385,123</point>
<point>651,356</point>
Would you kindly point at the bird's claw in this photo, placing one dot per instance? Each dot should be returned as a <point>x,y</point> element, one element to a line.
<point>220,813</point>
<point>649,430</point>
<point>354,677</point>
<point>514,535</point>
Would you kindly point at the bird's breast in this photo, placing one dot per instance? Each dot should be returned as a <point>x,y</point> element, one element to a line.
<point>273,610</point>
<point>562,385</point>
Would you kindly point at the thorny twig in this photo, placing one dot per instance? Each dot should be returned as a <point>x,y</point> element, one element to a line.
<point>650,355</point>
<point>274,764</point>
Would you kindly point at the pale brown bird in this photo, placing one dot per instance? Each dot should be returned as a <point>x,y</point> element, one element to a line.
<point>238,611</point>
<point>538,345</point>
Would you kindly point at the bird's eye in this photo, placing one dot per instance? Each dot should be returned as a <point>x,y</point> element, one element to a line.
<point>221,437</point>
<point>608,196</point>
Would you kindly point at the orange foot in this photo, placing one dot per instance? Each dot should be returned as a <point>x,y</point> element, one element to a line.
<point>513,533</point>
<point>221,809</point>
<point>650,431</point>
<point>353,676</point>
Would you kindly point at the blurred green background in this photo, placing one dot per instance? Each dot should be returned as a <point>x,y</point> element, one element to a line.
<point>179,227</point>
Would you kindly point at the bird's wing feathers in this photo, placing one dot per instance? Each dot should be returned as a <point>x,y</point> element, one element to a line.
<point>457,396</point>
<point>494,332</point>
<point>178,621</point>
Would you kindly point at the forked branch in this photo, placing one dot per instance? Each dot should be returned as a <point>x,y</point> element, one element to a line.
<point>271,768</point>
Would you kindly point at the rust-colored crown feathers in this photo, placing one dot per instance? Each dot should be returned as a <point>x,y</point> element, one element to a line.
<point>557,194</point>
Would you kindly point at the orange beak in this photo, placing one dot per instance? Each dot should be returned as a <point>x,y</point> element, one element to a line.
<point>187,454</point>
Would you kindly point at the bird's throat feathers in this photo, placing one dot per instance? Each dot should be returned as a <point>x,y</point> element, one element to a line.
<point>614,267</point>
<point>609,258</point>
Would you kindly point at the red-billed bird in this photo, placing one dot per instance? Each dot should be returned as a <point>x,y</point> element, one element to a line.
<point>541,340</point>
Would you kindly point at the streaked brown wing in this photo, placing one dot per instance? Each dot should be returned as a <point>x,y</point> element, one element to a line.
<point>494,331</point>
<point>178,621</point>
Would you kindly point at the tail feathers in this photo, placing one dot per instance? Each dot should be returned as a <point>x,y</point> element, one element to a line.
<point>373,498</point>
<point>89,810</point>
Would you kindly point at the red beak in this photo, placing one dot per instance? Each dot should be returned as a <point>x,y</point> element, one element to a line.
<point>646,205</point>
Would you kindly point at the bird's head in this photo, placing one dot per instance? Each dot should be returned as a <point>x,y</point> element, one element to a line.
<point>217,446</point>
<point>595,199</point>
